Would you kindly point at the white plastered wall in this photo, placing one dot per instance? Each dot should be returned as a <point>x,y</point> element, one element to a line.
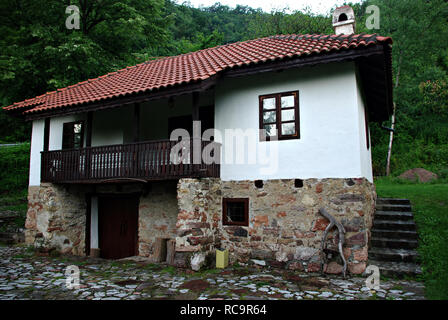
<point>37,145</point>
<point>330,133</point>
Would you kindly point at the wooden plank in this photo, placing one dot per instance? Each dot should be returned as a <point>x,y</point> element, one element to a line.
<point>160,250</point>
<point>170,251</point>
<point>136,123</point>
<point>46,134</point>
<point>89,129</point>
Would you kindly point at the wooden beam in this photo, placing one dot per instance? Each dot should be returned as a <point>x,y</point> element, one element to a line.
<point>160,248</point>
<point>177,90</point>
<point>195,106</point>
<point>136,124</point>
<point>89,129</point>
<point>170,252</point>
<point>46,134</point>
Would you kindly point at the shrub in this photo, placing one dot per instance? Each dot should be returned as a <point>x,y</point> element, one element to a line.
<point>14,168</point>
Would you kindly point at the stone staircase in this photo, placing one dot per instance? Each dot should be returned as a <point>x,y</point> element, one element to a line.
<point>394,238</point>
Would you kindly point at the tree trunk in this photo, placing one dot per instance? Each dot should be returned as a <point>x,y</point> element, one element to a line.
<point>391,138</point>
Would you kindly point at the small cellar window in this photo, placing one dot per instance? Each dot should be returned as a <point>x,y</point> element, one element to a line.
<point>235,211</point>
<point>298,183</point>
<point>258,184</point>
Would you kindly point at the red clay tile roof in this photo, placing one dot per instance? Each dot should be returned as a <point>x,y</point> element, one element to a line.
<point>193,67</point>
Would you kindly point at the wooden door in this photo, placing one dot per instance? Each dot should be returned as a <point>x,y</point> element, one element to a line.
<point>117,226</point>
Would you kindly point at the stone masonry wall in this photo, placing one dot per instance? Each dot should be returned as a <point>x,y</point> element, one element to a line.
<point>56,218</point>
<point>157,216</point>
<point>285,228</point>
<point>199,202</point>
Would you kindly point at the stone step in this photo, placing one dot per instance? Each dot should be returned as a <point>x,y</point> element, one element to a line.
<point>393,215</point>
<point>394,207</point>
<point>394,234</point>
<point>394,225</point>
<point>393,243</point>
<point>393,201</point>
<point>397,269</point>
<point>398,255</point>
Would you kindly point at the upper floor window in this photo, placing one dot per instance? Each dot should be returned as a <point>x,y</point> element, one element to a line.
<point>73,135</point>
<point>279,115</point>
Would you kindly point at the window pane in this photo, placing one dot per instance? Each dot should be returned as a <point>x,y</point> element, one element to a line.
<point>287,101</point>
<point>288,128</point>
<point>235,212</point>
<point>77,127</point>
<point>288,115</point>
<point>271,130</point>
<point>269,116</point>
<point>269,103</point>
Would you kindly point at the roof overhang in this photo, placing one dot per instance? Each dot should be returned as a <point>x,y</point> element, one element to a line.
<point>374,67</point>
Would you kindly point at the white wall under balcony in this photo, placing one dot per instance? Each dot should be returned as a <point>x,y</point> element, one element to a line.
<point>56,127</point>
<point>155,114</point>
<point>330,123</point>
<point>37,145</point>
<point>112,126</point>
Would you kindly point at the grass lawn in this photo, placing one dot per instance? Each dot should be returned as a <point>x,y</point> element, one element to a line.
<point>430,206</point>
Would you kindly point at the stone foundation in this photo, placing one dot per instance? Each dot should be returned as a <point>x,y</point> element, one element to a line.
<point>285,229</point>
<point>157,216</point>
<point>199,202</point>
<point>56,218</point>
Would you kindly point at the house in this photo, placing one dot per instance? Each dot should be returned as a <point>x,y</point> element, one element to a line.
<point>105,182</point>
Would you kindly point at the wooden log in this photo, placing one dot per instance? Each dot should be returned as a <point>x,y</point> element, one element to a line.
<point>159,254</point>
<point>171,250</point>
<point>341,230</point>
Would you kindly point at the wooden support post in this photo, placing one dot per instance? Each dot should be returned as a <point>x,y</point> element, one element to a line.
<point>88,154</point>
<point>89,129</point>
<point>170,252</point>
<point>136,124</point>
<point>196,148</point>
<point>46,134</point>
<point>195,106</point>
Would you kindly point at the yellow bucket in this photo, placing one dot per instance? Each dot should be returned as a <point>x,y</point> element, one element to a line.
<point>222,258</point>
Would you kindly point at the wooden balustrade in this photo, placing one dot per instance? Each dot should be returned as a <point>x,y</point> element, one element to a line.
<point>151,160</point>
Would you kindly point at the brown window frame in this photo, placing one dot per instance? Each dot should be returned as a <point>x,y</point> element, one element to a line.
<point>66,124</point>
<point>278,111</point>
<point>246,212</point>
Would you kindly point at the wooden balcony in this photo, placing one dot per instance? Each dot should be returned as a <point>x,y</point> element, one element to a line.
<point>142,161</point>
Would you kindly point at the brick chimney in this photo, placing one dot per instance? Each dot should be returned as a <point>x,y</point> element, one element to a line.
<point>344,20</point>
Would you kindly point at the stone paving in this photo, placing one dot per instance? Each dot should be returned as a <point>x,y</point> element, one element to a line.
<point>25,275</point>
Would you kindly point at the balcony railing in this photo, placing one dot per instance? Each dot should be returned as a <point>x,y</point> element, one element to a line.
<point>143,160</point>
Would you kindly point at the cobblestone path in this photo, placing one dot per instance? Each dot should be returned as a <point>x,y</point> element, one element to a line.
<point>23,275</point>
